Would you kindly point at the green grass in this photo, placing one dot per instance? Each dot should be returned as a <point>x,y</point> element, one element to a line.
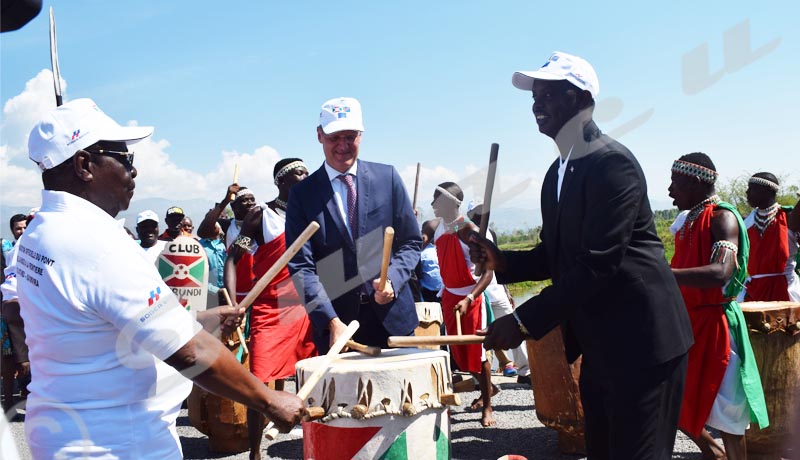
<point>524,240</point>
<point>523,289</point>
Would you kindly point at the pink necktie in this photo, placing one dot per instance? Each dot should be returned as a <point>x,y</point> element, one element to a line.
<point>352,204</point>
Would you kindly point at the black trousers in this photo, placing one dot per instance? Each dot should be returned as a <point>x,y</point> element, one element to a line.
<point>632,413</point>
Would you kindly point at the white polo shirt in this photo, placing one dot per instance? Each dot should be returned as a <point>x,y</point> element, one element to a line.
<point>154,251</point>
<point>99,321</point>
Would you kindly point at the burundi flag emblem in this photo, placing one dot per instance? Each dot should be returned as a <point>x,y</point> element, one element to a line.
<point>181,271</point>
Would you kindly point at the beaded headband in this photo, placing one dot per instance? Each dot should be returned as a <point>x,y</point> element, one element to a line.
<point>242,192</point>
<point>764,182</point>
<point>693,170</point>
<point>446,193</point>
<point>285,170</point>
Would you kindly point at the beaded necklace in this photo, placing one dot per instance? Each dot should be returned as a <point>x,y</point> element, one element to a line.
<point>695,212</point>
<point>765,217</point>
<point>280,203</point>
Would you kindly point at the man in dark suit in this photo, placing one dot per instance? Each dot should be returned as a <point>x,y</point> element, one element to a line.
<point>337,269</point>
<point>613,293</point>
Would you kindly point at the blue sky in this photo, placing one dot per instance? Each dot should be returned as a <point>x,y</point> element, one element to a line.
<point>244,85</point>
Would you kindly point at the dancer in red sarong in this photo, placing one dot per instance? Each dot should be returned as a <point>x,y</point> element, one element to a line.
<point>463,291</point>
<point>723,389</point>
<point>774,233</point>
<point>280,331</point>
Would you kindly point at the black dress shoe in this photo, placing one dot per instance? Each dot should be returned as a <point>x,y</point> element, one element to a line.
<point>524,379</point>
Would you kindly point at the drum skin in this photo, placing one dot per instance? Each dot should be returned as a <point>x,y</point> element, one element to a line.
<point>773,331</point>
<point>556,394</point>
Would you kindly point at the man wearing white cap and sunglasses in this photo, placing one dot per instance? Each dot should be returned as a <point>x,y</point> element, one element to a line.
<point>337,269</point>
<point>612,292</point>
<point>107,337</point>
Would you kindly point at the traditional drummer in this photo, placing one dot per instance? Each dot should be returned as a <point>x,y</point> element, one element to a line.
<point>723,388</point>
<point>774,233</point>
<point>280,331</point>
<point>107,337</point>
<point>241,200</point>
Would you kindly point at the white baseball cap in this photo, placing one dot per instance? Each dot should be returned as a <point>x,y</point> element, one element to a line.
<point>74,126</point>
<point>146,215</point>
<point>560,66</point>
<point>341,114</point>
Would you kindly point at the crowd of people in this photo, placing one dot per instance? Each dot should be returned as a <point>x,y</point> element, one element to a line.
<point>109,350</point>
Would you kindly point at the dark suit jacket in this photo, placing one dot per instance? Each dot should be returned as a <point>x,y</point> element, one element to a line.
<point>330,270</point>
<point>613,291</point>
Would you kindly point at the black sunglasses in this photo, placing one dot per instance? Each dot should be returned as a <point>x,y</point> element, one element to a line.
<point>127,156</point>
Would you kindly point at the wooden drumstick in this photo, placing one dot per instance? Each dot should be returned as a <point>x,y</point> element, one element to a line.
<point>416,190</point>
<point>403,341</point>
<point>278,265</point>
<point>458,322</point>
<point>316,376</point>
<point>239,331</point>
<point>364,349</point>
<point>235,179</point>
<point>487,197</point>
<point>388,237</point>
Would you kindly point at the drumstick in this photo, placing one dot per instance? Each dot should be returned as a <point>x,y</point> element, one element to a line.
<point>416,190</point>
<point>239,327</point>
<point>458,322</point>
<point>487,197</point>
<point>316,376</point>
<point>278,265</point>
<point>364,349</point>
<point>403,341</point>
<point>235,179</point>
<point>388,237</point>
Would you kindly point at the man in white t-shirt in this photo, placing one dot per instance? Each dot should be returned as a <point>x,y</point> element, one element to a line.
<point>107,337</point>
<point>147,230</point>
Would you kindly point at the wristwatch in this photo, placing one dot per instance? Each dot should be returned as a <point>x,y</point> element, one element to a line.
<point>522,327</point>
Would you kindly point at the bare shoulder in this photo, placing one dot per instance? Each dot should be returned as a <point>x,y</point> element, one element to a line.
<point>724,225</point>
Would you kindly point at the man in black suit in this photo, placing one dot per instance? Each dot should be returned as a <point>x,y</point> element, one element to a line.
<point>613,293</point>
<point>353,201</point>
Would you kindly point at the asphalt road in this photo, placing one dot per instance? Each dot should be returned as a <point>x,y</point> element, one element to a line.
<point>517,432</point>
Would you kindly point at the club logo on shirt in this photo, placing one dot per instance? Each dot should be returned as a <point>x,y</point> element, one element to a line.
<point>154,296</point>
<point>76,134</point>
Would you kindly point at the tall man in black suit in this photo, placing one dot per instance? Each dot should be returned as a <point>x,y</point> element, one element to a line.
<point>337,269</point>
<point>613,293</point>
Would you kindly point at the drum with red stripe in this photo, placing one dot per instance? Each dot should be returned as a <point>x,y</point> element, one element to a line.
<point>383,407</point>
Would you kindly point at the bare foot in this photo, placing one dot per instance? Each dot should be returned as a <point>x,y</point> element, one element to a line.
<point>488,417</point>
<point>709,447</point>
<point>477,403</point>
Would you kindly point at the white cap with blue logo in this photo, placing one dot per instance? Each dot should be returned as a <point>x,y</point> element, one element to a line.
<point>560,66</point>
<point>341,114</point>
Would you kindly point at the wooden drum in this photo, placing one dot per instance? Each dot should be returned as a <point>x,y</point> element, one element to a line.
<point>556,394</point>
<point>222,420</point>
<point>384,407</point>
<point>430,322</point>
<point>775,336</point>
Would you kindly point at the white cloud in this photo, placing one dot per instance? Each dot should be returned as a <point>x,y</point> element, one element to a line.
<point>160,177</point>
